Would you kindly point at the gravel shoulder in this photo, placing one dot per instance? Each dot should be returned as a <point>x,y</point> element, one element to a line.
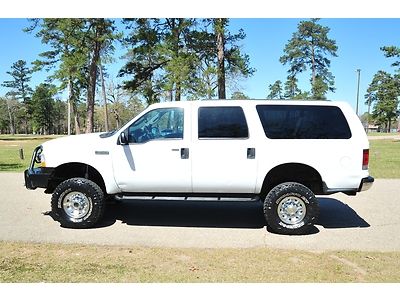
<point>367,222</point>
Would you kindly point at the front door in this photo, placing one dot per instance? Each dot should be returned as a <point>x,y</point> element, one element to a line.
<point>156,159</point>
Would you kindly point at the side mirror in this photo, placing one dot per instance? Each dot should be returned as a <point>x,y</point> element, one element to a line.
<point>123,139</point>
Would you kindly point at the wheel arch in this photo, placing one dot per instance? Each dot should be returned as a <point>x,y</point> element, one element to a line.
<point>293,172</point>
<point>75,169</point>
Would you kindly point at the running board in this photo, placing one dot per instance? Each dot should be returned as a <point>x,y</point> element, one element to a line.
<point>191,198</point>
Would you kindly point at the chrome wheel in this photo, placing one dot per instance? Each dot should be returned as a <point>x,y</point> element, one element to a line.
<point>76,205</point>
<point>292,210</point>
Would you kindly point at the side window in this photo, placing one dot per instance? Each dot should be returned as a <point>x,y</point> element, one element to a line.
<point>162,123</point>
<point>303,122</point>
<point>222,122</point>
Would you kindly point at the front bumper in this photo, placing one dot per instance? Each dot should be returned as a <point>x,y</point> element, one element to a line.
<point>366,183</point>
<point>37,177</point>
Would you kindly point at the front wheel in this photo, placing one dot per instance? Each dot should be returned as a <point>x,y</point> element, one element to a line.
<point>290,208</point>
<point>77,203</point>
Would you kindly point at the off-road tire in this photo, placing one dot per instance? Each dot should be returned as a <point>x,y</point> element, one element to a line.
<point>290,208</point>
<point>77,203</point>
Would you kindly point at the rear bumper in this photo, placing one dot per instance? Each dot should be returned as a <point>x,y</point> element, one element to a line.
<point>37,177</point>
<point>366,183</point>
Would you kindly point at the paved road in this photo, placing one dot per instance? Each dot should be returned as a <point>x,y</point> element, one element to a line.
<point>369,221</point>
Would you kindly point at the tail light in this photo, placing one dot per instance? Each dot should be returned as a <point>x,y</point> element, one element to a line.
<point>365,159</point>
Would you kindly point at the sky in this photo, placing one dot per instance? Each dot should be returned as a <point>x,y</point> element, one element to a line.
<point>358,40</point>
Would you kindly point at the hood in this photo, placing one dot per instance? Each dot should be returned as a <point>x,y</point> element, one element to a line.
<point>74,140</point>
<point>74,148</point>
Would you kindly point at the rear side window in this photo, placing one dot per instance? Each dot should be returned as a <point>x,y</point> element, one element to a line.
<point>303,122</point>
<point>222,122</point>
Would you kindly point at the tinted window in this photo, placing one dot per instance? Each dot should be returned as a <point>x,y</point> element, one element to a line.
<point>163,123</point>
<point>303,122</point>
<point>222,122</point>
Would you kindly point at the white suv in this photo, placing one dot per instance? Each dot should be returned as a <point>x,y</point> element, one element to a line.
<point>281,152</point>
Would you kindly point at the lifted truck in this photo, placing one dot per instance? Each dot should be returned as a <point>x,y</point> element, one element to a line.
<point>281,152</point>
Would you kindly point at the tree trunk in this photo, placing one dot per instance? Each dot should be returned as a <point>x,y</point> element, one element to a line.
<point>91,93</point>
<point>70,99</point>
<point>117,118</point>
<point>398,125</point>
<point>178,91</point>
<point>12,127</point>
<point>76,118</point>
<point>103,88</point>
<point>219,30</point>
<point>175,28</point>
<point>313,65</point>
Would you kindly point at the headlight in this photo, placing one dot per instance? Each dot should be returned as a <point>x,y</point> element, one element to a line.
<point>42,160</point>
<point>39,158</point>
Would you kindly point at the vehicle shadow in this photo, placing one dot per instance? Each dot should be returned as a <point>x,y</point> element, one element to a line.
<point>336,214</point>
<point>172,213</point>
<point>333,214</point>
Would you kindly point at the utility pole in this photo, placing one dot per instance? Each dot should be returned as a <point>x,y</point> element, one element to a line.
<point>358,88</point>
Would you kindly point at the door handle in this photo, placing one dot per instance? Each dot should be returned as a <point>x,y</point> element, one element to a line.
<point>184,153</point>
<point>251,153</point>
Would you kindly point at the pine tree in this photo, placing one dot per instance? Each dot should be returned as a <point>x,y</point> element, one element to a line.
<point>20,88</point>
<point>230,59</point>
<point>291,90</point>
<point>67,56</point>
<point>384,92</point>
<point>275,90</point>
<point>392,51</point>
<point>43,108</point>
<point>76,48</point>
<point>99,35</point>
<point>237,95</point>
<point>159,57</point>
<point>308,49</point>
<point>180,56</point>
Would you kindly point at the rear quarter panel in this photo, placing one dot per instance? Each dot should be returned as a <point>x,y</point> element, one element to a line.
<point>338,161</point>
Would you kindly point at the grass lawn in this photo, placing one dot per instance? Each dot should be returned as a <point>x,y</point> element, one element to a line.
<point>9,150</point>
<point>28,262</point>
<point>384,158</point>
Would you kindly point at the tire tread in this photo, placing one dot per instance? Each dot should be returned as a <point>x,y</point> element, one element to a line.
<point>98,204</point>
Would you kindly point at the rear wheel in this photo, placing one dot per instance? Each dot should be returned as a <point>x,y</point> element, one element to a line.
<point>78,203</point>
<point>290,208</point>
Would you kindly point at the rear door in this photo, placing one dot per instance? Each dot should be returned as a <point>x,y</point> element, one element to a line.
<point>224,158</point>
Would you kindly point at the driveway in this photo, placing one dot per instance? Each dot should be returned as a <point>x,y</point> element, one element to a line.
<point>368,222</point>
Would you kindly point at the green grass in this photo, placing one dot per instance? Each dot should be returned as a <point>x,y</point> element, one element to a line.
<point>19,137</point>
<point>29,262</point>
<point>10,160</point>
<point>385,158</point>
<point>9,154</point>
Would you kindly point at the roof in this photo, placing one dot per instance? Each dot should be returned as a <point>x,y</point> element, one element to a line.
<point>248,102</point>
